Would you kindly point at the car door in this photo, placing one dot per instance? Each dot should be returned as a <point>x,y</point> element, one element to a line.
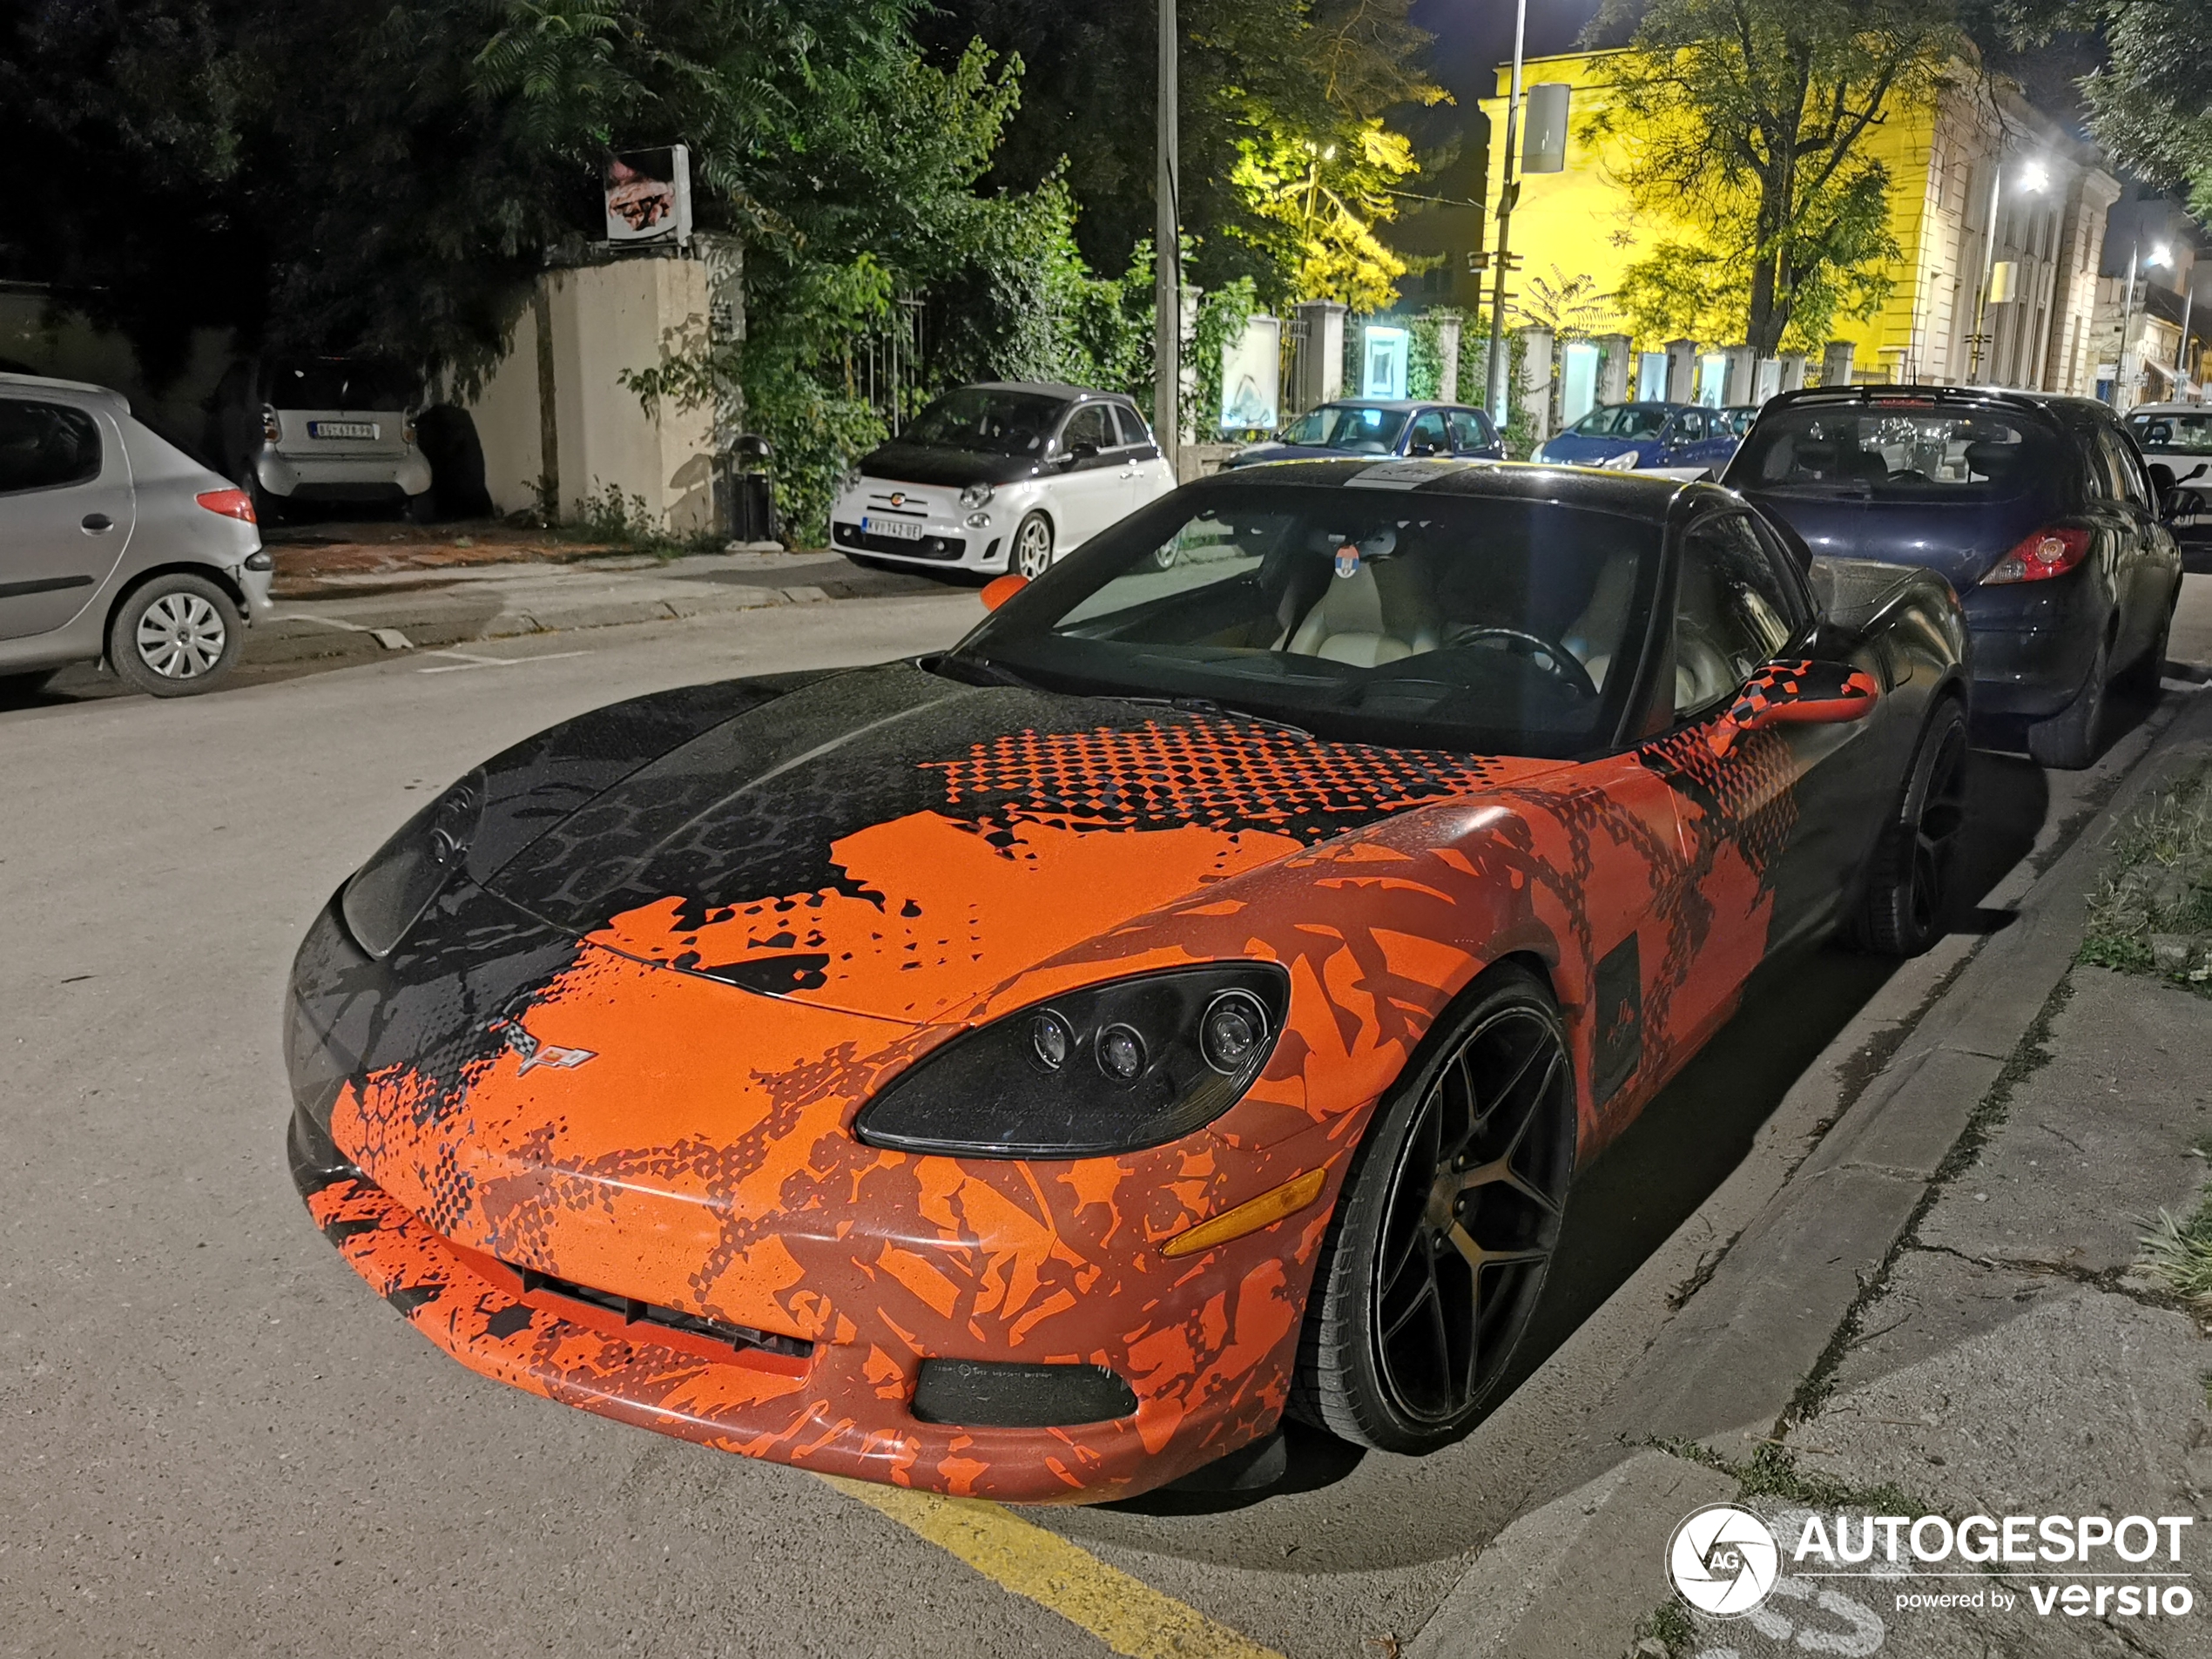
<point>1783,819</point>
<point>1471,432</point>
<point>2140,579</point>
<point>66,510</point>
<point>1145,477</point>
<point>1085,494</point>
<point>1425,435</point>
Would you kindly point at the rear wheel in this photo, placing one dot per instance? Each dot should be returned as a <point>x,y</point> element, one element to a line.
<point>176,636</point>
<point>1908,883</point>
<point>1441,1240</point>
<point>2068,739</point>
<point>2142,675</point>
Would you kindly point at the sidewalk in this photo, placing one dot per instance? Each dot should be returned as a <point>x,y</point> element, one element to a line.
<point>1938,1311</point>
<point>354,592</point>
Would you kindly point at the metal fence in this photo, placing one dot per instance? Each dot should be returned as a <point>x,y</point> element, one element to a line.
<point>884,364</point>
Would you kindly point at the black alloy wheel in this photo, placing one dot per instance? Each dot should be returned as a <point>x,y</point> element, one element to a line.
<point>1908,878</point>
<point>1441,1240</point>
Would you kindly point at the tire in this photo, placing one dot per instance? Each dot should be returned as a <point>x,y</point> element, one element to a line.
<point>1908,879</point>
<point>177,636</point>
<point>1399,1351</point>
<point>2140,678</point>
<point>2068,739</point>
<point>422,509</point>
<point>1031,554</point>
<point>1164,558</point>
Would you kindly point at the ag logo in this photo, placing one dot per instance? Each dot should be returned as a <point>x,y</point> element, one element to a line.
<point>1724,1561</point>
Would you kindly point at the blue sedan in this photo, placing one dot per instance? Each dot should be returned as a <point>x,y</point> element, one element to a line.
<point>1379,427</point>
<point>1644,436</point>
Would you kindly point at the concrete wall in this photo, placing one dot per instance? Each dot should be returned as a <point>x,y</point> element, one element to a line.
<point>603,320</point>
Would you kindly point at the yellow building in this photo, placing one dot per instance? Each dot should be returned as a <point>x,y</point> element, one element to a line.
<point>1940,151</point>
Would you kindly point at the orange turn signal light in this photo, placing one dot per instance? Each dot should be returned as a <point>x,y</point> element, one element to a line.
<point>1250,1216</point>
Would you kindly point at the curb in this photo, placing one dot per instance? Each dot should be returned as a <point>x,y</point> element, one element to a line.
<point>1776,1281</point>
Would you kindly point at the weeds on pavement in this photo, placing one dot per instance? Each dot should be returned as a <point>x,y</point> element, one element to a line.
<point>2179,1251</point>
<point>2151,914</point>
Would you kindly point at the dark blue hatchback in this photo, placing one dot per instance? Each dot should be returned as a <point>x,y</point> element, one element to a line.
<point>2038,510</point>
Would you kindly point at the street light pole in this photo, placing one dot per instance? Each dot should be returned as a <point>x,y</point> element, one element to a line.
<point>1988,270</point>
<point>2127,309</point>
<point>1508,189</point>
<point>1167,258</point>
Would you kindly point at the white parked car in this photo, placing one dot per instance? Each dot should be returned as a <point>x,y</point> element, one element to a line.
<point>998,477</point>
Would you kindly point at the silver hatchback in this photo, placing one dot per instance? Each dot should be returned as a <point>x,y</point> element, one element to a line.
<point>116,544</point>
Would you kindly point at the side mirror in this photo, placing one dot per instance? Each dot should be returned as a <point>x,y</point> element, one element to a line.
<point>999,590</point>
<point>1080,451</point>
<point>2163,489</point>
<point>1796,693</point>
<point>1423,449</point>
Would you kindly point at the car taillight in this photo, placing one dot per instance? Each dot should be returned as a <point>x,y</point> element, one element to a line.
<point>2037,557</point>
<point>231,503</point>
<point>270,428</point>
<point>406,430</point>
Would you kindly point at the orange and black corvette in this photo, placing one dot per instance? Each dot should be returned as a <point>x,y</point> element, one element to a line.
<point>1030,1072</point>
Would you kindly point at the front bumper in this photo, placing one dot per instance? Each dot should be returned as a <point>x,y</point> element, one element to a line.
<point>2034,643</point>
<point>870,1264</point>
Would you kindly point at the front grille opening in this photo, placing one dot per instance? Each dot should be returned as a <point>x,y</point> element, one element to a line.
<point>631,1310</point>
<point>977,1393</point>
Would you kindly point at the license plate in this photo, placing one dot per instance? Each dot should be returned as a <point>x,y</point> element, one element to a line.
<point>341,429</point>
<point>899,529</point>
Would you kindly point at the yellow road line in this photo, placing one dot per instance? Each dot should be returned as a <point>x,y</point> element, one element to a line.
<point>1125,1613</point>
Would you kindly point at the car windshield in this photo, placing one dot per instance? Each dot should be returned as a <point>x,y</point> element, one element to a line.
<point>998,422</point>
<point>1356,431</point>
<point>1896,451</point>
<point>1415,619</point>
<point>1620,421</point>
<point>340,383</point>
<point>2183,435</point>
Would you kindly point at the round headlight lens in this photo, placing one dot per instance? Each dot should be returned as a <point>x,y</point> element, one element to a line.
<point>1120,1053</point>
<point>1051,1040</point>
<point>1232,1030</point>
<point>976,495</point>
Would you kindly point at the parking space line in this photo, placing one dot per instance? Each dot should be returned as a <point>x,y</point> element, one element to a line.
<point>468,660</point>
<point>1123,1611</point>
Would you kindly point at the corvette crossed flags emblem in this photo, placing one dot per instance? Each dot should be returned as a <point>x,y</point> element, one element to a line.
<point>534,1053</point>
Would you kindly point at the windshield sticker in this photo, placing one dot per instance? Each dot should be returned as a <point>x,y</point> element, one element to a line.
<point>1406,474</point>
<point>1348,560</point>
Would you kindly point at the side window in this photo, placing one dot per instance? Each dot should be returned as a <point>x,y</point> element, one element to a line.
<point>1132,426</point>
<point>1427,435</point>
<point>1089,424</point>
<point>43,446</point>
<point>2126,471</point>
<point>1469,431</point>
<point>1731,612</point>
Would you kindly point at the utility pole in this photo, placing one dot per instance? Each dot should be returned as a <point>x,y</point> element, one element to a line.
<point>1167,259</point>
<point>1508,190</point>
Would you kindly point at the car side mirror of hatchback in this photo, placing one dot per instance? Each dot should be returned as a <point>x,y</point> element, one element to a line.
<point>1080,451</point>
<point>1796,692</point>
<point>998,590</point>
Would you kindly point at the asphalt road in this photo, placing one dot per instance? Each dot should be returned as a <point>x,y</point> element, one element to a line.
<point>217,1441</point>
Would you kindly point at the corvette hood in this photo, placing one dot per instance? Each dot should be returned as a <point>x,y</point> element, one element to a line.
<point>891,843</point>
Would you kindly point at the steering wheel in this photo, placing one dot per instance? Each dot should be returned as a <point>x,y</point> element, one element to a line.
<point>1564,664</point>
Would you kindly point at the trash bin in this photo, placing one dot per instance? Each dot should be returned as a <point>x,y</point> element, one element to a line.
<point>745,502</point>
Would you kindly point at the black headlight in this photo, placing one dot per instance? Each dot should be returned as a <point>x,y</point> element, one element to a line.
<point>1109,1068</point>
<point>389,893</point>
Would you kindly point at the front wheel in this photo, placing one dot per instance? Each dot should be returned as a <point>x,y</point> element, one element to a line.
<point>1439,1248</point>
<point>1908,882</point>
<point>176,636</point>
<point>1032,547</point>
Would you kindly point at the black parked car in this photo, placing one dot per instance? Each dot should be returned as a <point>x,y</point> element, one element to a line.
<point>2039,510</point>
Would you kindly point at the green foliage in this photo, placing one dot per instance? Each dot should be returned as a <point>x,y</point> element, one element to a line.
<point>1425,353</point>
<point>1222,313</point>
<point>1745,121</point>
<point>2179,1251</point>
<point>1570,306</point>
<point>1314,207</point>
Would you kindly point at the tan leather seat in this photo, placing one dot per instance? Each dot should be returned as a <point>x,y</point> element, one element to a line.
<point>1380,614</point>
<point>1594,636</point>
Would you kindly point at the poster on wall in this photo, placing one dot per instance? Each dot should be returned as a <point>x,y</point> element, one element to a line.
<point>649,196</point>
<point>1252,367</point>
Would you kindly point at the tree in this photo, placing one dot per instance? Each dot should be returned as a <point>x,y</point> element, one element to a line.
<point>1746,121</point>
<point>1317,206</point>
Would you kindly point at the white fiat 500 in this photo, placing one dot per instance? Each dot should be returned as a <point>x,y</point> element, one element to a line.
<point>1001,476</point>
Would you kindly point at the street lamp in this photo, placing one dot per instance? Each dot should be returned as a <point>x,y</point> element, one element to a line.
<point>1167,253</point>
<point>2161,254</point>
<point>1493,390</point>
<point>2034,177</point>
